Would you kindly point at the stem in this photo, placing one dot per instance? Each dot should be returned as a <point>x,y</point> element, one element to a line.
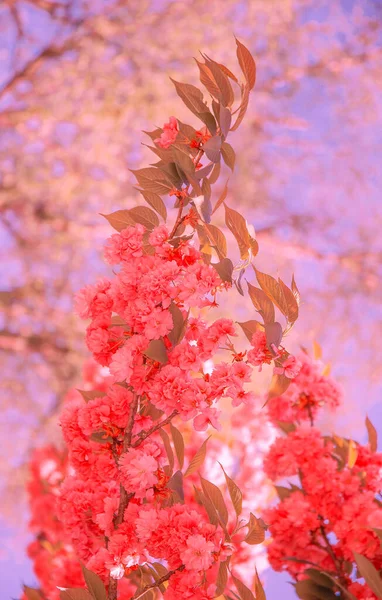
<point>178,219</point>
<point>158,582</point>
<point>145,434</point>
<point>125,497</point>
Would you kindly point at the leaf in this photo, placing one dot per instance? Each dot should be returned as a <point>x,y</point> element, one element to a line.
<point>120,219</point>
<point>191,96</point>
<point>217,239</point>
<point>156,350</point>
<point>198,459</point>
<point>178,441</point>
<point>234,492</point>
<point>295,291</point>
<point>319,578</point>
<point>369,573</point>
<point>243,108</point>
<point>275,290</point>
<point>222,197</point>
<point>317,350</point>
<point>228,154</point>
<point>205,171</point>
<point>152,178</point>
<point>259,590</point>
<point>274,334</point>
<point>212,148</point>
<point>352,454</point>
<point>225,118</point>
<point>224,269</point>
<point>283,492</point>
<point>222,578</point>
<point>214,494</point>
<point>145,216</point>
<point>309,590</point>
<point>290,302</point>
<point>179,325</point>
<point>183,159</point>
<point>167,445</point>
<point>247,64</point>
<point>176,484</point>
<point>250,327</point>
<point>155,202</point>
<point>256,531</point>
<point>215,173</point>
<point>225,88</point>
<point>95,584</point>
<point>244,592</point>
<point>262,303</point>
<point>75,594</point>
<point>91,394</point>
<point>31,593</point>
<point>372,435</point>
<point>209,507</point>
<point>238,227</point>
<point>286,427</point>
<point>279,385</point>
<point>207,79</point>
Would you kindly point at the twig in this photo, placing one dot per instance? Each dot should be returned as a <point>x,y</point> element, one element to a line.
<point>158,582</point>
<point>145,434</point>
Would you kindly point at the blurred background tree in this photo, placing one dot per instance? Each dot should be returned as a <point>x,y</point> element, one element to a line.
<point>79,80</point>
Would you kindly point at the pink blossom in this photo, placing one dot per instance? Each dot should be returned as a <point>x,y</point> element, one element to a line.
<point>169,133</point>
<point>198,555</point>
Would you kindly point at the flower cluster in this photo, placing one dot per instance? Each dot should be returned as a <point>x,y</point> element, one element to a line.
<point>310,391</point>
<point>331,511</point>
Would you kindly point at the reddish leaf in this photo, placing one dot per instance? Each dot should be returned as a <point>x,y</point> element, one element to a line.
<point>217,239</point>
<point>95,584</point>
<point>31,593</point>
<point>212,148</point>
<point>234,492</point>
<point>247,64</point>
<point>156,350</point>
<point>274,334</point>
<point>262,303</point>
<point>250,327</point>
<point>225,118</point>
<point>167,445</point>
<point>178,441</point>
<point>91,394</point>
<point>244,592</point>
<point>197,460</point>
<point>214,494</point>
<point>75,594</point>
<point>256,531</point>
<point>120,219</point>
<point>155,202</point>
<point>222,197</point>
<point>224,269</point>
<point>372,435</point>
<point>243,108</point>
<point>228,154</point>
<point>238,227</point>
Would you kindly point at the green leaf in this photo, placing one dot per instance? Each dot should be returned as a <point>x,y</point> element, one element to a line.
<point>247,64</point>
<point>198,459</point>
<point>234,492</point>
<point>95,584</point>
<point>369,573</point>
